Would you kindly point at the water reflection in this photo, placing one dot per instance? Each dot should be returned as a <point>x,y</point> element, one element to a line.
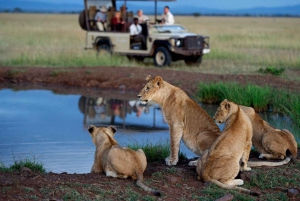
<point>124,113</point>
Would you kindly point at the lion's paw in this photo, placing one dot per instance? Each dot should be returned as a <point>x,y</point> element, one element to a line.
<point>242,169</point>
<point>169,162</point>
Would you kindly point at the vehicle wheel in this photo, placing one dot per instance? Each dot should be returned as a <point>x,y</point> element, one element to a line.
<point>82,20</point>
<point>193,61</point>
<point>162,57</point>
<point>104,49</point>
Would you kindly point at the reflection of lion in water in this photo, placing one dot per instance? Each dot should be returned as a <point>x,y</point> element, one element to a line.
<point>187,120</point>
<point>271,143</point>
<point>117,161</point>
<point>220,164</point>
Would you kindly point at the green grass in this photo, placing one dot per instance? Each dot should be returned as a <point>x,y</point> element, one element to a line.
<point>260,98</point>
<point>271,70</point>
<point>250,95</point>
<point>155,152</point>
<point>32,164</point>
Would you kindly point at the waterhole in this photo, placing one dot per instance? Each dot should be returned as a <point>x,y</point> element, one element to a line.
<point>52,128</point>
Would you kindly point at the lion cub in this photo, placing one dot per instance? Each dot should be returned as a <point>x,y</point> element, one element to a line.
<point>220,164</point>
<point>187,120</point>
<point>117,161</point>
<point>270,142</point>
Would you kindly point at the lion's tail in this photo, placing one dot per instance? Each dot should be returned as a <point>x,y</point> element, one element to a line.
<point>146,188</point>
<point>232,187</point>
<point>266,163</point>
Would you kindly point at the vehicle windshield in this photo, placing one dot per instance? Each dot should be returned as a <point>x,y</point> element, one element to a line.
<point>169,28</point>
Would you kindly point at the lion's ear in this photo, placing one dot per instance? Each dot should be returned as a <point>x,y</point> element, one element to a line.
<point>227,105</point>
<point>148,78</point>
<point>158,81</point>
<point>113,129</point>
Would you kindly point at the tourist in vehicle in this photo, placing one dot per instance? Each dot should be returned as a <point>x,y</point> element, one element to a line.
<point>136,32</point>
<point>116,22</point>
<point>167,17</point>
<point>142,18</point>
<point>100,18</point>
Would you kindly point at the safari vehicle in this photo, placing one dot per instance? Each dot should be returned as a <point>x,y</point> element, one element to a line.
<point>164,43</point>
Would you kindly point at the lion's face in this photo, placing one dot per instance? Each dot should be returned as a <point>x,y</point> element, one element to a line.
<point>100,134</point>
<point>150,89</point>
<point>222,112</point>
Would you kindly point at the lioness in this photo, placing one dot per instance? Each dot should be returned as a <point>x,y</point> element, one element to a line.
<point>186,119</point>
<point>270,142</point>
<point>117,161</point>
<point>220,164</point>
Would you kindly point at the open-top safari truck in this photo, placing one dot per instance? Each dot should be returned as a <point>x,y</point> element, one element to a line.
<point>164,43</point>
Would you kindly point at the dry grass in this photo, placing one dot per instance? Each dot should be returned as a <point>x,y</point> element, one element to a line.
<point>238,44</point>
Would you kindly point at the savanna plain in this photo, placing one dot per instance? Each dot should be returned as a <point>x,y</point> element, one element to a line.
<point>266,49</point>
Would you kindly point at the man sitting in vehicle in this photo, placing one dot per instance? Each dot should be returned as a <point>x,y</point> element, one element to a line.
<point>142,18</point>
<point>100,18</point>
<point>167,17</point>
<point>136,32</point>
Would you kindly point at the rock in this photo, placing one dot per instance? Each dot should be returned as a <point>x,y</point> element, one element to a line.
<point>247,176</point>
<point>227,197</point>
<point>206,184</point>
<point>173,179</point>
<point>291,193</point>
<point>25,169</point>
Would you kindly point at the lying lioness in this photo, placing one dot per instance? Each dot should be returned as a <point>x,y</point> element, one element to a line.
<point>187,120</point>
<point>270,142</point>
<point>117,161</point>
<point>220,164</point>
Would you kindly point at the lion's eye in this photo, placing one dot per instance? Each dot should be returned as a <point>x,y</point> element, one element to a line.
<point>147,88</point>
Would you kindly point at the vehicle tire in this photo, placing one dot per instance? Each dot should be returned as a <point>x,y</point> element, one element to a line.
<point>104,49</point>
<point>82,20</point>
<point>193,61</point>
<point>162,57</point>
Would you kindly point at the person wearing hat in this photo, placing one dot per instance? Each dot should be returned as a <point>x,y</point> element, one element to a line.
<point>100,18</point>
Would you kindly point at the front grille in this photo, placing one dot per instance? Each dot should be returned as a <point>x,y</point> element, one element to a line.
<point>193,42</point>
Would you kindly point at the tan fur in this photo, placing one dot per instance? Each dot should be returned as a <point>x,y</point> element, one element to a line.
<point>230,152</point>
<point>186,119</point>
<point>270,142</point>
<point>117,161</point>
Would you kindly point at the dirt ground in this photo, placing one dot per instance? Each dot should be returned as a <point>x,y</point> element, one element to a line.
<point>176,183</point>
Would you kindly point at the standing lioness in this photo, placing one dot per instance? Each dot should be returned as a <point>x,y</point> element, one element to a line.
<point>117,161</point>
<point>229,154</point>
<point>270,142</point>
<point>186,119</point>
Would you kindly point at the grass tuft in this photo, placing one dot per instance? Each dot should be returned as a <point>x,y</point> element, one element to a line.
<point>33,165</point>
<point>260,98</point>
<point>155,152</point>
<point>271,70</point>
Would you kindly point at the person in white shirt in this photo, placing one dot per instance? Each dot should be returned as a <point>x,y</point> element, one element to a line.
<point>136,32</point>
<point>100,18</point>
<point>167,17</point>
<point>142,18</point>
